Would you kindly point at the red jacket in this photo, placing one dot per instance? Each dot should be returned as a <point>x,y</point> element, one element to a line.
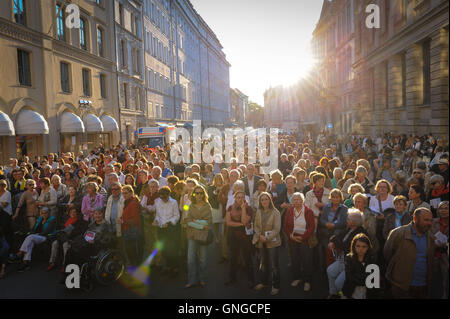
<point>131,214</point>
<point>289,224</point>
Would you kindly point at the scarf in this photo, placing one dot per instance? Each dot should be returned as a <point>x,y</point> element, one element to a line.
<point>318,193</point>
<point>439,192</point>
<point>70,221</point>
<point>22,183</point>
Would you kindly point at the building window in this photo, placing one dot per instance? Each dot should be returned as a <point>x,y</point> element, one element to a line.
<point>86,82</point>
<point>125,95</point>
<point>83,42</point>
<point>19,12</point>
<point>120,14</point>
<point>403,58</point>
<point>103,86</point>
<point>65,81</point>
<point>372,87</point>
<point>123,54</point>
<point>60,22</point>
<point>426,72</point>
<point>100,41</point>
<point>23,62</point>
<point>386,83</point>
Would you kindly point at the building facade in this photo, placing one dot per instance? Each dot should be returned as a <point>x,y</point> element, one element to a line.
<point>239,107</point>
<point>333,48</point>
<point>402,68</point>
<point>57,88</point>
<point>186,71</point>
<point>388,79</point>
<point>129,45</point>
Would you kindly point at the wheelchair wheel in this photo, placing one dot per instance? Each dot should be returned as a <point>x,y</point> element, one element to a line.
<point>86,282</point>
<point>110,267</point>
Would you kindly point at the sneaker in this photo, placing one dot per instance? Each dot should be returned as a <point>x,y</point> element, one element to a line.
<point>307,287</point>
<point>24,267</point>
<point>274,291</point>
<point>259,287</point>
<point>295,283</point>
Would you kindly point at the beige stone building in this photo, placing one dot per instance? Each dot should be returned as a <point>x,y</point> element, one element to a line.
<point>401,69</point>
<point>57,87</point>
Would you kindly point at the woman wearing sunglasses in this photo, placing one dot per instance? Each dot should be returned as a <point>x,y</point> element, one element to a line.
<point>29,199</point>
<point>198,221</point>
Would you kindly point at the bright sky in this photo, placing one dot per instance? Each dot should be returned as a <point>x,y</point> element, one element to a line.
<point>267,42</point>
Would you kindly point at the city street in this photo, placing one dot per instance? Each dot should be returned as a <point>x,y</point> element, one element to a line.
<point>38,283</point>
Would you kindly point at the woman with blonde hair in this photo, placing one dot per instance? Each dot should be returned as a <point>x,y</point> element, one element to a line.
<point>198,223</point>
<point>267,239</point>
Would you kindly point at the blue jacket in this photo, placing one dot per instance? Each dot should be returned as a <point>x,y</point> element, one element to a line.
<point>49,228</point>
<point>339,221</point>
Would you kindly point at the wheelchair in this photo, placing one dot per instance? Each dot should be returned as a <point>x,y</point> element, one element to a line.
<point>104,268</point>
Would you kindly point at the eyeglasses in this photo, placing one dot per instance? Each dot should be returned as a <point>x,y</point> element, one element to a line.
<point>115,189</point>
<point>434,183</point>
<point>417,173</point>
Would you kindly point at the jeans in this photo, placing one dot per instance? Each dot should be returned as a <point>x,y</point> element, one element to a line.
<point>302,261</point>
<point>269,265</point>
<point>336,276</point>
<point>196,267</point>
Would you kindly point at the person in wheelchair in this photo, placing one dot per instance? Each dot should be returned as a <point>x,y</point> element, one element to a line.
<point>73,227</point>
<point>43,230</point>
<point>97,236</point>
<point>95,253</point>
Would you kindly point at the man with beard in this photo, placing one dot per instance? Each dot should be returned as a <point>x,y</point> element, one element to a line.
<point>409,252</point>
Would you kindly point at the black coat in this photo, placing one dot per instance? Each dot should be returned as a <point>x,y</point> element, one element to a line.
<point>343,243</point>
<point>355,275</point>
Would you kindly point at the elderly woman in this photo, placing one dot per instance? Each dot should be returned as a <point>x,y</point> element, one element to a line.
<point>74,226</point>
<point>440,225</point>
<point>299,225</point>
<point>352,190</point>
<point>383,198</point>
<point>59,187</point>
<point>29,199</point>
<point>48,197</point>
<point>360,178</point>
<point>277,185</point>
<point>44,228</point>
<point>398,216</point>
<point>338,174</point>
<point>370,221</point>
<point>340,245</point>
<point>267,239</point>
<point>198,222</point>
<point>319,196</point>
<point>91,201</point>
<point>438,193</point>
<point>301,180</point>
<point>415,194</point>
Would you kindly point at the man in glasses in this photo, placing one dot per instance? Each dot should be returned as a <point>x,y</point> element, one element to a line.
<point>114,207</point>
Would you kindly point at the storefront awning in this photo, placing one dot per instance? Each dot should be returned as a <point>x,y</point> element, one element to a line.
<point>92,123</point>
<point>29,122</point>
<point>6,125</point>
<point>109,124</point>
<point>71,123</point>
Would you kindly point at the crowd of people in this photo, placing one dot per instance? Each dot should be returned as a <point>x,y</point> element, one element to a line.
<point>334,206</point>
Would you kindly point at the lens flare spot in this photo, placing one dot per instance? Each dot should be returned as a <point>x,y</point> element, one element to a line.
<point>186,207</point>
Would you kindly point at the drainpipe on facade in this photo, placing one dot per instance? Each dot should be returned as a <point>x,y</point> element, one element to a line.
<point>117,74</point>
